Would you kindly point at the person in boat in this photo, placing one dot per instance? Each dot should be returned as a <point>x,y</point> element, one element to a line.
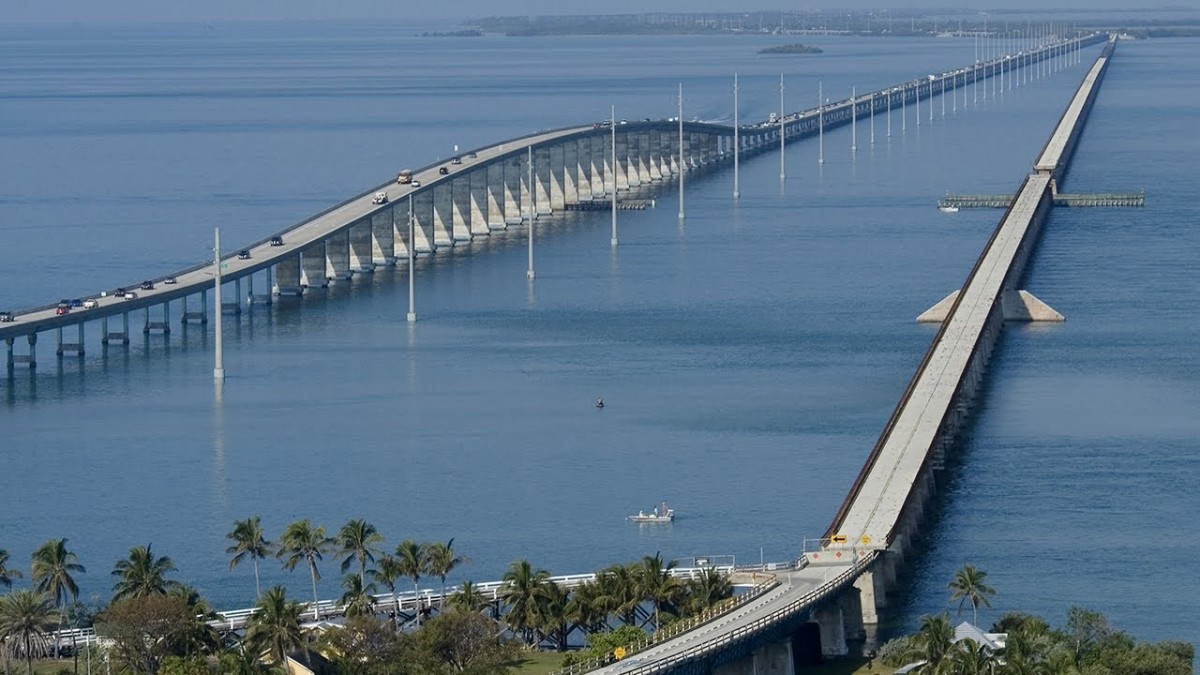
<point>599,403</point>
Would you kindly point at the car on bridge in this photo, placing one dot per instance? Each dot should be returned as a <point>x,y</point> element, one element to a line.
<point>76,303</point>
<point>7,317</point>
<point>243,255</point>
<point>415,183</point>
<point>380,198</point>
<point>130,295</point>
<point>276,241</point>
<point>456,160</point>
<point>169,281</point>
<point>443,170</point>
<point>91,303</point>
<point>147,285</point>
<point>63,308</point>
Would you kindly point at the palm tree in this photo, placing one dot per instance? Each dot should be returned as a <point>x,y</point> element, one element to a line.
<point>357,600</point>
<point>200,637</point>
<point>249,541</point>
<point>587,608</point>
<point>388,572</point>
<point>413,559</point>
<point>524,592</point>
<point>707,590</point>
<point>968,657</point>
<point>658,586</point>
<point>142,574</point>
<point>555,622</point>
<point>621,592</point>
<point>441,561</point>
<point>53,565</point>
<point>934,641</point>
<point>275,627</point>
<point>26,619</point>
<point>968,586</point>
<point>468,598</point>
<point>303,542</point>
<point>358,540</point>
<point>7,574</point>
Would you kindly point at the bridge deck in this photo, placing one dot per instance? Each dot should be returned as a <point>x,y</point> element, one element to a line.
<point>1052,154</point>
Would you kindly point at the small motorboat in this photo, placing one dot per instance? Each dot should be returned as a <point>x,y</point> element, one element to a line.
<point>599,403</point>
<point>660,514</point>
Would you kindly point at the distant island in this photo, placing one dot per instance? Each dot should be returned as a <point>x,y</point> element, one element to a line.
<point>468,32</point>
<point>792,49</point>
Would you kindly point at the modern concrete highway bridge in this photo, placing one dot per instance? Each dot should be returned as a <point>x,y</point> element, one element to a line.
<point>835,590</point>
<point>508,184</point>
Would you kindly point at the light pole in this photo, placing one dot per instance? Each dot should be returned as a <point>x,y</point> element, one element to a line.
<point>612,125</point>
<point>737,140</point>
<point>782,133</point>
<point>219,363</point>
<point>412,261</point>
<point>532,212</point>
<point>820,123</point>
<point>680,151</point>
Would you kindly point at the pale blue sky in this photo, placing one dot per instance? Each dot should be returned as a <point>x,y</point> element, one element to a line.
<point>123,11</point>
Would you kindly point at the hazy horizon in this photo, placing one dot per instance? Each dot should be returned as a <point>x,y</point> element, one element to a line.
<point>150,11</point>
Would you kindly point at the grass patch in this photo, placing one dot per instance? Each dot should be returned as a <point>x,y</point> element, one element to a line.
<point>538,663</point>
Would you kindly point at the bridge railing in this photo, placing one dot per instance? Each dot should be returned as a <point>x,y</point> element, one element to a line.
<point>673,630</point>
<point>819,594</point>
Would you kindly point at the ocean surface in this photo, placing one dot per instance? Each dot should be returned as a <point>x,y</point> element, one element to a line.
<point>748,357</point>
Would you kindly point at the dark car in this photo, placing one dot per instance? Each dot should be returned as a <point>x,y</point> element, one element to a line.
<point>277,241</point>
<point>243,255</point>
<point>443,170</point>
<point>76,303</point>
<point>147,285</point>
<point>472,155</point>
<point>7,317</point>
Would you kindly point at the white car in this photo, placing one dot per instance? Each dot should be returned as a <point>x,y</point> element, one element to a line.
<point>91,304</point>
<point>380,198</point>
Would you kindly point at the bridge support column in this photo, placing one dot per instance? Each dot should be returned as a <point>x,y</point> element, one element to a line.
<point>72,347</point>
<point>771,659</point>
<point>11,361</point>
<point>443,214</point>
<point>655,156</point>
<point>556,167</point>
<point>872,594</point>
<point>479,202</point>
<point>186,317</point>
<point>362,247</point>
<point>312,266</point>
<point>287,277</point>
<point>337,256</point>
<point>598,173</point>
<point>832,624</point>
<point>163,327</point>
<point>583,170</point>
<point>514,191</point>
<point>423,228</point>
<point>383,247</point>
<point>111,336</point>
<point>495,196</point>
<point>399,235</point>
<point>570,173</point>
<point>541,180</point>
<point>460,208</point>
<point>621,170</point>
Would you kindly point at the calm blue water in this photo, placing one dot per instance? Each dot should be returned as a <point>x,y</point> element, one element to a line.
<point>748,358</point>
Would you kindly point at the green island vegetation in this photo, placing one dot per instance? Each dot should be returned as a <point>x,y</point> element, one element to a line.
<point>963,23</point>
<point>155,624</point>
<point>792,49</point>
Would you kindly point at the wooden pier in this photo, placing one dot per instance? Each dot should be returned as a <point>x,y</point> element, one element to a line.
<point>1102,199</point>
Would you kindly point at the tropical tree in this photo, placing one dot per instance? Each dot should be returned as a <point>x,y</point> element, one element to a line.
<point>707,590</point>
<point>200,637</point>
<point>142,574</point>
<point>968,586</point>
<point>52,570</point>
<point>357,600</point>
<point>468,598</point>
<point>555,623</point>
<point>26,620</point>
<point>7,574</point>
<point>249,541</point>
<point>302,542</point>
<point>969,657</point>
<point>587,608</point>
<point>275,628</point>
<point>524,591</point>
<point>621,593</point>
<point>442,560</point>
<point>934,641</point>
<point>658,586</point>
<point>359,541</point>
<point>414,561</point>
<point>388,572</point>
